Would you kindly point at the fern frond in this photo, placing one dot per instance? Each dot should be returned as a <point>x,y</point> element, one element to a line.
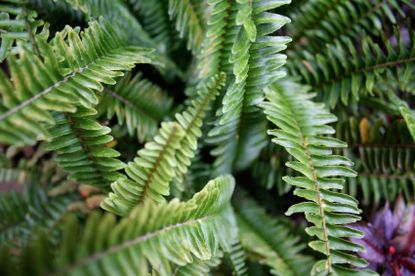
<point>237,258</point>
<point>138,104</point>
<point>198,267</point>
<point>80,142</point>
<point>191,121</point>
<point>74,66</point>
<point>155,20</point>
<point>23,213</point>
<point>188,23</point>
<point>302,131</point>
<point>255,59</point>
<point>324,22</point>
<point>266,239</point>
<point>406,112</point>
<point>346,73</point>
<point>149,174</point>
<point>151,236</point>
<point>17,23</point>
<point>220,35</point>
<point>384,156</point>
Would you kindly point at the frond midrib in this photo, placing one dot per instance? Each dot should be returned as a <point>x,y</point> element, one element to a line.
<point>395,63</point>
<point>129,103</point>
<point>52,87</point>
<point>320,201</point>
<point>156,165</point>
<point>126,244</point>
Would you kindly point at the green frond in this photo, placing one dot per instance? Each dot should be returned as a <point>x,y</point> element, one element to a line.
<point>74,66</point>
<point>156,22</point>
<point>318,23</point>
<point>302,131</point>
<point>198,267</point>
<point>188,22</point>
<point>237,258</point>
<point>407,113</point>
<point>138,104</point>
<point>265,238</point>
<point>23,213</point>
<point>191,121</point>
<point>345,72</point>
<point>17,24</point>
<point>149,174</point>
<point>384,156</point>
<point>255,59</point>
<point>220,35</point>
<point>117,11</point>
<point>81,144</point>
<point>150,237</point>
<point>268,169</point>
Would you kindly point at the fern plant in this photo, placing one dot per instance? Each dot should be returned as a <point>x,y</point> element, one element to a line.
<point>170,137</point>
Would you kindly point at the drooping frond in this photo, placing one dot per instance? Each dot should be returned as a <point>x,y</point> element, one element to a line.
<point>191,121</point>
<point>80,142</point>
<point>266,239</point>
<point>344,72</point>
<point>23,213</point>
<point>149,174</point>
<point>255,59</point>
<point>17,23</point>
<point>150,237</point>
<point>188,22</point>
<point>74,66</point>
<point>303,132</point>
<point>318,23</point>
<point>138,104</point>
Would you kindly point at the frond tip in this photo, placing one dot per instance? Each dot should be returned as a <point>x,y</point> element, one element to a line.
<point>304,133</point>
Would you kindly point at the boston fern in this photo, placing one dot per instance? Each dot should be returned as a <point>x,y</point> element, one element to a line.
<point>206,137</point>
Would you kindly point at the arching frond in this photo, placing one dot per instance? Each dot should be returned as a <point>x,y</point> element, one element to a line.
<point>255,59</point>
<point>346,73</point>
<point>138,104</point>
<point>149,174</point>
<point>188,22</point>
<point>74,66</point>
<point>302,131</point>
<point>318,23</point>
<point>150,237</point>
<point>81,142</point>
<point>266,239</point>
